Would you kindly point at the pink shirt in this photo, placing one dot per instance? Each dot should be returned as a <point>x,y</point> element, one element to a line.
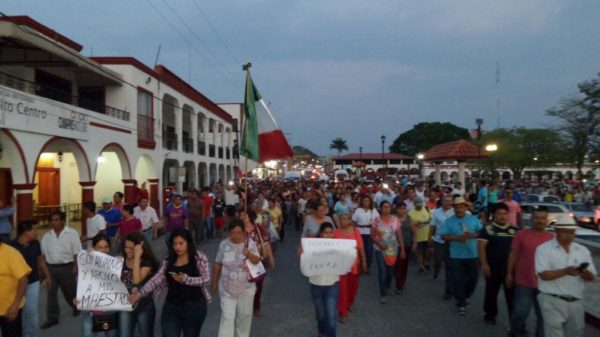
<point>514,208</point>
<point>128,226</point>
<point>524,245</point>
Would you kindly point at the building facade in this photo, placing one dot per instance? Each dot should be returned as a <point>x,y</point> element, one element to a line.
<point>74,128</point>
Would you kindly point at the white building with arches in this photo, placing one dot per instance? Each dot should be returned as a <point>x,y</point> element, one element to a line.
<point>75,129</point>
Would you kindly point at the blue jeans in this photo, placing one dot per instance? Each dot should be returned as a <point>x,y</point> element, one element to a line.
<point>465,273</point>
<point>187,319</point>
<point>524,298</point>
<point>209,224</point>
<point>87,324</point>
<point>325,299</point>
<point>148,235</point>
<point>143,319</point>
<point>385,274</point>
<point>30,310</point>
<point>368,246</point>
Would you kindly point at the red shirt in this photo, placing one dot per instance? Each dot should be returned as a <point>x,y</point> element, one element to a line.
<point>208,203</point>
<point>524,245</point>
<point>128,226</point>
<point>337,234</point>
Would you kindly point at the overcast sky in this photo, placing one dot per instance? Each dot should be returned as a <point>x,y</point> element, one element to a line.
<point>354,69</point>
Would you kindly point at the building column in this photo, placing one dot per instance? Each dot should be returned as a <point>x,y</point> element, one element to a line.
<point>24,205</point>
<point>438,173</point>
<point>130,191</point>
<point>179,130</point>
<point>194,135</point>
<point>87,194</point>
<point>154,195</point>
<point>461,173</point>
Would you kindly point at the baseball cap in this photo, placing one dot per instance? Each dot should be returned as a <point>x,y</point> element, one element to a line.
<point>418,201</point>
<point>106,200</point>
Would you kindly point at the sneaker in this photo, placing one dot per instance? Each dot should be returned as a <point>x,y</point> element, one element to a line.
<point>462,311</point>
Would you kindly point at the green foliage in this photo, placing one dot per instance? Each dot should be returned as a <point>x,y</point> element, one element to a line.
<point>521,148</point>
<point>303,151</point>
<point>339,144</point>
<point>579,121</point>
<point>423,136</point>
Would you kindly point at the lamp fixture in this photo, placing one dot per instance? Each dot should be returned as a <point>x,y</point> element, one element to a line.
<point>60,156</point>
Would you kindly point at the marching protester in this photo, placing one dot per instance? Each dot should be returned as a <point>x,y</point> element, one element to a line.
<point>195,209</point>
<point>563,267</point>
<point>462,231</point>
<point>325,292</point>
<point>60,246</point>
<point>111,216</point>
<point>521,273</point>
<point>495,241</point>
<point>420,217</point>
<point>313,221</point>
<point>149,218</point>
<point>363,217</point>
<point>95,223</point>
<point>348,284</point>
<point>231,279</point>
<point>441,249</point>
<point>388,240</point>
<point>128,223</point>
<point>409,232</point>
<point>176,217</point>
<point>185,275</point>
<point>138,267</point>
<point>6,227</point>
<point>99,323</point>
<point>13,276</point>
<point>28,245</point>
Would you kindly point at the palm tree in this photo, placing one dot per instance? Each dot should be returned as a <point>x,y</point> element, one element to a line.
<point>339,144</point>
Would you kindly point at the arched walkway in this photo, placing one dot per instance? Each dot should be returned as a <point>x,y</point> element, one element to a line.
<point>112,167</point>
<point>212,174</point>
<point>190,175</point>
<point>202,175</point>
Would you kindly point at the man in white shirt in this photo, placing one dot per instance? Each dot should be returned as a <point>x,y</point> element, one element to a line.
<point>459,189</point>
<point>60,247</point>
<point>363,217</point>
<point>441,249</point>
<point>95,223</point>
<point>563,266</point>
<point>148,217</point>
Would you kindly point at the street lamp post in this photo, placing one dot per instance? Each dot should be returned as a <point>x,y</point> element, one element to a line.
<point>360,153</point>
<point>420,157</point>
<point>491,149</point>
<point>383,153</point>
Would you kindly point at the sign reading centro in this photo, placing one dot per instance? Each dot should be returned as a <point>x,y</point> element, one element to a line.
<point>327,256</point>
<point>99,285</point>
<point>22,111</point>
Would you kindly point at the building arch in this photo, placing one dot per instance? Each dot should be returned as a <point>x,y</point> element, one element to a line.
<point>64,145</point>
<point>121,155</point>
<point>13,157</point>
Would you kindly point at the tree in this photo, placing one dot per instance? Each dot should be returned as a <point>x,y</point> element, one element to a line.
<point>339,144</point>
<point>580,121</point>
<point>303,151</point>
<point>521,148</point>
<point>423,136</point>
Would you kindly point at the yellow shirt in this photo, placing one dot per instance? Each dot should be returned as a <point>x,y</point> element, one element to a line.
<point>276,216</point>
<point>421,219</point>
<point>12,268</point>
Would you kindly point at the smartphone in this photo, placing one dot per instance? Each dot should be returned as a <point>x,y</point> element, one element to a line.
<point>583,266</point>
<point>172,273</point>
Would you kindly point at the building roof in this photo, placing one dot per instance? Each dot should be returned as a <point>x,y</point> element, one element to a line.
<point>456,150</point>
<point>371,156</point>
<point>23,20</point>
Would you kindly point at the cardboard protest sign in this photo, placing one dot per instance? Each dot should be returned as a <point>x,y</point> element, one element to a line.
<point>99,285</point>
<point>327,256</point>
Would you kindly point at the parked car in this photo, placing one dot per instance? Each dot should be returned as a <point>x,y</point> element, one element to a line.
<point>292,176</point>
<point>583,213</point>
<point>557,213</point>
<point>541,198</point>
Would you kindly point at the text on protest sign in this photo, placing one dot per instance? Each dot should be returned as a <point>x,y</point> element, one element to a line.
<point>327,256</point>
<point>99,285</point>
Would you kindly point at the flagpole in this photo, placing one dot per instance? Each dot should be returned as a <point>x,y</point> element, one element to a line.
<point>246,67</point>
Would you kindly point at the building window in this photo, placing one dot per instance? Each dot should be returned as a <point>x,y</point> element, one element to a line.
<point>145,129</point>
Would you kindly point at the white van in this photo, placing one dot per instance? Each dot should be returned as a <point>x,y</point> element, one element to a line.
<point>341,175</point>
<point>292,176</point>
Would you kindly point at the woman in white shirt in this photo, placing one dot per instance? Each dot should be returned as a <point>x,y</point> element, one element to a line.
<point>363,217</point>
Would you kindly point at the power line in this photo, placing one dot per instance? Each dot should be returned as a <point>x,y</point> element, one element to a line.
<point>236,86</point>
<point>221,39</point>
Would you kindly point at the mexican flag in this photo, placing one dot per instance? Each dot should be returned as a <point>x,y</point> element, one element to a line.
<point>262,139</point>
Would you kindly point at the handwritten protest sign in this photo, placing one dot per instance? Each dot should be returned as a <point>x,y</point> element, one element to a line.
<point>99,285</point>
<point>327,256</point>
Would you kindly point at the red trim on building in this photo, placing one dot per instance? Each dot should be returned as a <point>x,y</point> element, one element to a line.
<point>24,202</point>
<point>21,153</point>
<point>109,127</point>
<point>20,187</point>
<point>122,151</point>
<point>125,60</point>
<point>145,144</point>
<point>23,20</point>
<point>76,143</point>
<point>371,156</point>
<point>87,183</point>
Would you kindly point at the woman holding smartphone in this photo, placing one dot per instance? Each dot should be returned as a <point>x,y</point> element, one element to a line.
<point>185,275</point>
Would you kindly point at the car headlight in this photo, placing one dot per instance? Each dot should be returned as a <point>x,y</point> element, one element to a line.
<point>585,219</point>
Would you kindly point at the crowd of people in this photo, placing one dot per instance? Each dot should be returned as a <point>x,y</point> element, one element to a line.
<point>463,232</point>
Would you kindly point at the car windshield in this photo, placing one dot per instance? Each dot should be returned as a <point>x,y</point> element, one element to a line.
<point>581,208</point>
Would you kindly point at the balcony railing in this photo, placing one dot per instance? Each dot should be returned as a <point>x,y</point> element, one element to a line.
<point>211,150</point>
<point>220,152</point>
<point>188,145</point>
<point>169,140</point>
<point>53,93</point>
<point>145,128</point>
<point>201,148</point>
<point>227,153</point>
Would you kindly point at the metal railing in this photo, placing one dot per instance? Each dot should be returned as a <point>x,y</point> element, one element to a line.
<point>211,150</point>
<point>201,148</point>
<point>41,213</point>
<point>220,151</point>
<point>188,145</point>
<point>61,96</point>
<point>169,140</point>
<point>145,128</point>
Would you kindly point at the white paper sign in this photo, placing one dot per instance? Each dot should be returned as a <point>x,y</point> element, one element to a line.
<point>99,285</point>
<point>327,256</point>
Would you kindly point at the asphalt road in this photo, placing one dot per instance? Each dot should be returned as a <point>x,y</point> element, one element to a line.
<point>288,310</point>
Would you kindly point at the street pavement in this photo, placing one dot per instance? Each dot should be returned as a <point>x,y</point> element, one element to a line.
<point>288,311</point>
